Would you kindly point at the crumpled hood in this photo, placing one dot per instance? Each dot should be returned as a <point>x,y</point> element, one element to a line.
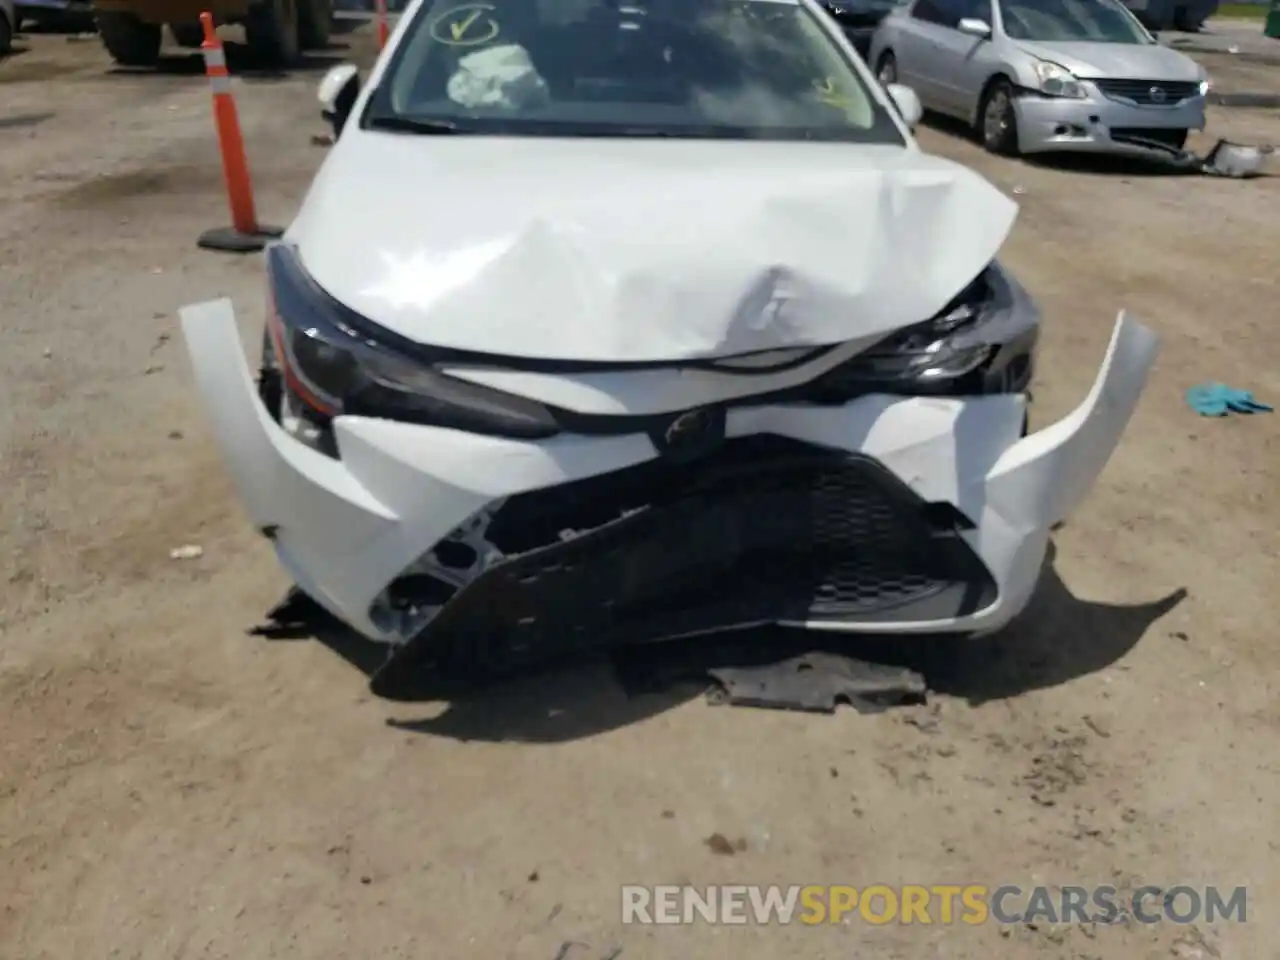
<point>617,250</point>
<point>1124,61</point>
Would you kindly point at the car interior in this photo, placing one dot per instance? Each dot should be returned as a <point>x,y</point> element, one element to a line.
<point>641,52</point>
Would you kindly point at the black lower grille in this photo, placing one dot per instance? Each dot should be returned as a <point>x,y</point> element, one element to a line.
<point>1158,93</point>
<point>1169,136</point>
<point>764,530</point>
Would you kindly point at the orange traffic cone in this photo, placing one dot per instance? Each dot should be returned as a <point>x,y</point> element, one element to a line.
<point>245,235</point>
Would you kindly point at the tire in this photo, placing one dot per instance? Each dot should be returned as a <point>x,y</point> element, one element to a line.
<point>130,42</point>
<point>887,68</point>
<point>997,122</point>
<point>1182,20</point>
<point>315,17</point>
<point>187,35</point>
<point>272,31</point>
<point>7,30</point>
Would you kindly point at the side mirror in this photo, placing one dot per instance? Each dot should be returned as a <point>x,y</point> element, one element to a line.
<point>908,104</point>
<point>337,95</point>
<point>974,27</point>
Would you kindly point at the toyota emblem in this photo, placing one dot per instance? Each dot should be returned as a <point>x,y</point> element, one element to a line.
<point>1158,95</point>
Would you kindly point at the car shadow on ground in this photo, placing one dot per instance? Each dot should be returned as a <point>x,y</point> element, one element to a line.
<point>559,700</point>
<point>16,121</point>
<point>1059,638</point>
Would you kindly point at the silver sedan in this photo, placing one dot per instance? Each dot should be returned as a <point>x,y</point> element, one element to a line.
<point>1034,76</point>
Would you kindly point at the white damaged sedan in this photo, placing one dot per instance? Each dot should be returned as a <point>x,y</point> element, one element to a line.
<point>613,323</point>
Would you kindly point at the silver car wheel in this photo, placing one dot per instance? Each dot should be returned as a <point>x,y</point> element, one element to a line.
<point>995,121</point>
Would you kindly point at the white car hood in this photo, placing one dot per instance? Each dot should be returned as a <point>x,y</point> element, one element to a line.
<point>617,250</point>
<point>1122,61</point>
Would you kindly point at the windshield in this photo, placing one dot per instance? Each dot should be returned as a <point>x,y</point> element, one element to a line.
<point>760,69</point>
<point>1091,21</point>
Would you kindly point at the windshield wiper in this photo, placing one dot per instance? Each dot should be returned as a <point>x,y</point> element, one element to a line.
<point>414,125</point>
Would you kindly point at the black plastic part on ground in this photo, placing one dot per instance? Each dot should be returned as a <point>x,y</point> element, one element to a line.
<point>770,669</point>
<point>767,530</point>
<point>231,240</point>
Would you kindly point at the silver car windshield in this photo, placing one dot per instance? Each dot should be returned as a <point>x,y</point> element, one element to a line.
<point>1089,21</point>
<point>749,69</point>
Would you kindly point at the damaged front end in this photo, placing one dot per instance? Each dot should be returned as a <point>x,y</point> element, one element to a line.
<point>673,545</point>
<point>878,485</point>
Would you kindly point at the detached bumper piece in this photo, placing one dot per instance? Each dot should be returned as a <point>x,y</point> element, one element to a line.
<point>818,682</point>
<point>1238,161</point>
<point>764,530</point>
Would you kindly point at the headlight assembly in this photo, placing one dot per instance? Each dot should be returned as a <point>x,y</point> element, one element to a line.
<point>327,369</point>
<point>1057,81</point>
<point>983,341</point>
<point>930,352</point>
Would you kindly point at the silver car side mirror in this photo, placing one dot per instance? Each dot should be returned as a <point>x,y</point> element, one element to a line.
<point>907,102</point>
<point>974,27</point>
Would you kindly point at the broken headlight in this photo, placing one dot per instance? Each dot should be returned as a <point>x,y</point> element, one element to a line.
<point>322,367</point>
<point>929,352</point>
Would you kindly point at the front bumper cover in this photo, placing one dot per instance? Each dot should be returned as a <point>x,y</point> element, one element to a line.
<point>1098,124</point>
<point>346,529</point>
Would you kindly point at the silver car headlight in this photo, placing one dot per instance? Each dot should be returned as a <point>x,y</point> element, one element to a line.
<point>1055,80</point>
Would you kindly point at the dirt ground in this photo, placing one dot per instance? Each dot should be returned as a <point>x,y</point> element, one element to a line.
<point>173,788</point>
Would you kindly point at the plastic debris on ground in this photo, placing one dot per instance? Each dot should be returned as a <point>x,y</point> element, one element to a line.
<point>768,668</point>
<point>1217,400</point>
<point>1238,161</point>
<point>817,682</point>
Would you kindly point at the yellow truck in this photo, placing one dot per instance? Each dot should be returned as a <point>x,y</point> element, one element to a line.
<point>276,30</point>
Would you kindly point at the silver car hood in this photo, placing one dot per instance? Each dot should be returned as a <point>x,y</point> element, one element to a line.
<point>1122,61</point>
<point>617,250</point>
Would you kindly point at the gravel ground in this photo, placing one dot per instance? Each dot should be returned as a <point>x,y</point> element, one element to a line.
<point>172,788</point>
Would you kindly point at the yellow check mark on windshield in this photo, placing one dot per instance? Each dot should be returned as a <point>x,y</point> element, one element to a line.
<point>458,29</point>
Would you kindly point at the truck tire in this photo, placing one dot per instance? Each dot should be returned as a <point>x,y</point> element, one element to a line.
<point>272,31</point>
<point>315,17</point>
<point>7,30</point>
<point>130,42</point>
<point>187,35</point>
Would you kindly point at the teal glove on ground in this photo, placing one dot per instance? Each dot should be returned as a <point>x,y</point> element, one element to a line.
<point>1217,400</point>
